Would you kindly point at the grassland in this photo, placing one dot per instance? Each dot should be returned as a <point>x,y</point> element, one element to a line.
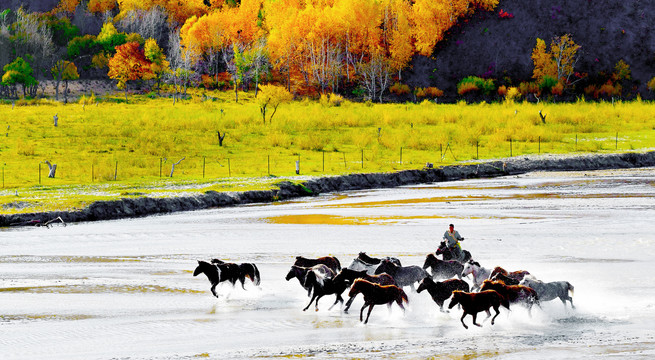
<point>105,149</point>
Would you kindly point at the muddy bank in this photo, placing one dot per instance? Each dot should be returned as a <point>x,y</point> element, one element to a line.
<point>136,207</point>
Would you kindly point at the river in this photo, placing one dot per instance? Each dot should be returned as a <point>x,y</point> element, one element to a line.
<point>124,289</point>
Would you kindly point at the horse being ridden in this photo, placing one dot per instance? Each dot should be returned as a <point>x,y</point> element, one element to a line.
<point>348,276</point>
<point>443,269</point>
<point>441,291</point>
<point>330,261</point>
<point>375,294</point>
<point>551,290</point>
<point>448,254</point>
<point>479,273</point>
<point>217,273</point>
<point>473,303</point>
<point>402,275</point>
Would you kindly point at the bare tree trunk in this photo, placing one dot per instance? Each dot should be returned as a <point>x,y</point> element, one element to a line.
<point>173,166</point>
<point>53,169</point>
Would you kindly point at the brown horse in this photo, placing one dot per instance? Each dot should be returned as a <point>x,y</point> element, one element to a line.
<point>516,275</point>
<point>473,303</point>
<point>375,294</point>
<point>347,276</point>
<point>441,291</point>
<point>504,279</point>
<point>330,261</point>
<point>513,293</point>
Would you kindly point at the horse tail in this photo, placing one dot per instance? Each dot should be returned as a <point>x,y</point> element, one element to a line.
<point>403,296</point>
<point>257,277</point>
<point>338,263</point>
<point>570,287</point>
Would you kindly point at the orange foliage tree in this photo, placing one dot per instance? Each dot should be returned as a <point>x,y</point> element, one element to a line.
<point>129,64</point>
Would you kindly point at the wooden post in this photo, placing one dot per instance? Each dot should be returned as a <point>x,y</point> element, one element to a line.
<point>160,164</point>
<point>116,171</point>
<point>401,155</point>
<point>477,150</point>
<point>617,140</point>
<point>440,153</point>
<point>539,144</point>
<point>510,147</point>
<point>576,138</point>
<point>344,160</point>
<point>269,164</point>
<point>203,166</point>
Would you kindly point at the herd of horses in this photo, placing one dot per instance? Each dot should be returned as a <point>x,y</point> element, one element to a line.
<point>381,281</point>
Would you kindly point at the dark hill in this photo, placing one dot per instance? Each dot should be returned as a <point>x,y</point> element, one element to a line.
<point>607,30</point>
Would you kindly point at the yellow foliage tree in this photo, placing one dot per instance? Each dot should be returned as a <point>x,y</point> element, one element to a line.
<point>271,96</point>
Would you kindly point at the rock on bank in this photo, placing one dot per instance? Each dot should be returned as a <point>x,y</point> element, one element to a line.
<point>137,207</point>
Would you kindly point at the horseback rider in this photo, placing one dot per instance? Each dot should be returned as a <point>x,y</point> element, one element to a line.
<point>452,238</point>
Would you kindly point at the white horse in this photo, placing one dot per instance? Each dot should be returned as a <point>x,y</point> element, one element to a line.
<point>550,290</point>
<point>479,273</point>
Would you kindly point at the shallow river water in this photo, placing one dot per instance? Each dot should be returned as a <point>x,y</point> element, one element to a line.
<point>124,289</point>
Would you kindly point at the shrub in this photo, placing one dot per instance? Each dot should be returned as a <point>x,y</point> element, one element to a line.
<point>512,94</point>
<point>473,83</point>
<point>547,82</point>
<point>399,89</point>
<point>558,89</point>
<point>651,84</point>
<point>429,92</point>
<point>526,88</point>
<point>502,90</point>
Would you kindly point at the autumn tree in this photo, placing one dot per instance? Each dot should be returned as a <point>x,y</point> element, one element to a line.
<point>64,71</point>
<point>558,62</point>
<point>270,97</point>
<point>129,64</point>
<point>158,63</point>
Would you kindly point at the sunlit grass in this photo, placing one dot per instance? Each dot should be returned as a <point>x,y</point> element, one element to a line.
<point>112,146</point>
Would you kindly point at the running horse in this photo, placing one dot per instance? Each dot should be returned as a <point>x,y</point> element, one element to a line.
<point>219,272</point>
<point>443,269</point>
<point>347,276</point>
<point>375,294</point>
<point>330,261</point>
<point>473,303</point>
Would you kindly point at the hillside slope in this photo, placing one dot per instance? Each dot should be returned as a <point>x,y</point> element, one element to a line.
<point>607,30</point>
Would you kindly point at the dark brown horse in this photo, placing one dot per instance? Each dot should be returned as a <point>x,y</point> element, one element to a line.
<point>375,294</point>
<point>219,272</point>
<point>513,293</point>
<point>300,273</point>
<point>347,276</point>
<point>441,291</point>
<point>330,261</point>
<point>473,303</point>
<point>516,275</point>
<point>443,269</point>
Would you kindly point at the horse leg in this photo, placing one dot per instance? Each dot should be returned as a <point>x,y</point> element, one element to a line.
<point>317,299</point>
<point>310,302</point>
<point>488,315</point>
<point>361,312</point>
<point>496,308</point>
<point>475,315</point>
<point>339,298</point>
<point>462,320</point>
<point>348,303</point>
<point>370,308</point>
<point>214,289</point>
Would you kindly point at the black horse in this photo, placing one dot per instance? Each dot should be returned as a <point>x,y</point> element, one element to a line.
<point>441,291</point>
<point>217,273</point>
<point>323,284</point>
<point>300,273</point>
<point>448,254</point>
<point>376,261</point>
<point>443,269</point>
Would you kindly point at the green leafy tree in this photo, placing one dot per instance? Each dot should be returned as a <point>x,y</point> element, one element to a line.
<point>20,72</point>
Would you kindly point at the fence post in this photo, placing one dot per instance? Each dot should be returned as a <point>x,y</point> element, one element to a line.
<point>477,149</point>
<point>203,166</point>
<point>344,160</point>
<point>510,147</point>
<point>440,153</point>
<point>576,140</point>
<point>539,144</point>
<point>116,171</point>
<point>401,155</point>
<point>160,164</point>
<point>269,164</point>
<point>617,140</point>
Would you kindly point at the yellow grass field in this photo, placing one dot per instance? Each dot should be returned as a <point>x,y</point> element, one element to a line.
<point>110,149</point>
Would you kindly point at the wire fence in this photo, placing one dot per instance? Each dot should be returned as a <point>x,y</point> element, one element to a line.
<point>129,168</point>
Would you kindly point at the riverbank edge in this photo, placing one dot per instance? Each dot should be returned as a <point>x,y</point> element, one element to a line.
<point>139,207</point>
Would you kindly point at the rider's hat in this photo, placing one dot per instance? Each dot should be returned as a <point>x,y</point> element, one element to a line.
<point>451,225</point>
